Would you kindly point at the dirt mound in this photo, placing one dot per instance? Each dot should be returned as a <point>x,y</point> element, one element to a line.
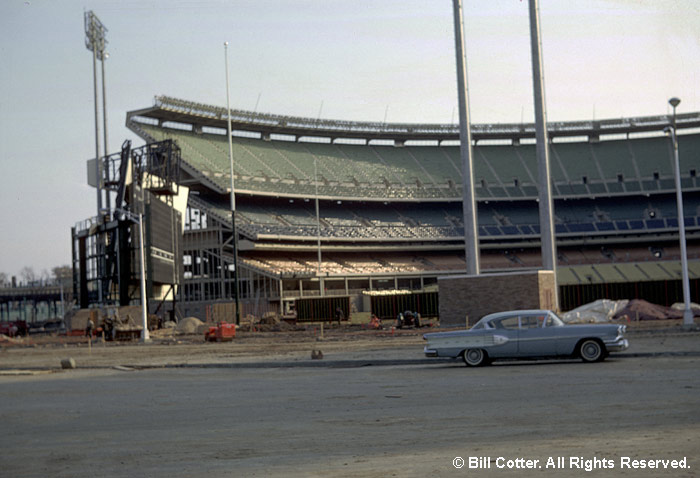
<point>202,329</point>
<point>189,325</point>
<point>271,323</point>
<point>642,310</point>
<point>4,339</point>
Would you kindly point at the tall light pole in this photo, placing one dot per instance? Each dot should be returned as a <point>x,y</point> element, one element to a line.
<point>234,237</point>
<point>103,57</point>
<point>95,42</point>
<point>471,239</point>
<point>687,312</point>
<point>546,206</point>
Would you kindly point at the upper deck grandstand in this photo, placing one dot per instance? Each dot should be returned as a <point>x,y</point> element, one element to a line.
<point>417,162</point>
<point>390,197</point>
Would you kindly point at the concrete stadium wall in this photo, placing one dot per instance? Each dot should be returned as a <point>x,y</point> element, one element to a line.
<point>470,297</point>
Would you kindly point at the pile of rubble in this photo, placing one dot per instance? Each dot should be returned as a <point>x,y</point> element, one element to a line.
<point>605,310</point>
<point>643,310</point>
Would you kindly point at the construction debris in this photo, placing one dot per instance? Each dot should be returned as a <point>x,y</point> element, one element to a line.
<point>693,306</point>
<point>602,310</point>
<point>189,325</point>
<point>642,310</point>
<point>68,363</point>
<point>4,339</point>
<point>272,323</point>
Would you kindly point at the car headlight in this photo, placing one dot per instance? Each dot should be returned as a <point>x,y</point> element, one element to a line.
<point>621,329</point>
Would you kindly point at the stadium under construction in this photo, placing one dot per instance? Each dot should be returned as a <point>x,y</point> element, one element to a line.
<point>348,209</point>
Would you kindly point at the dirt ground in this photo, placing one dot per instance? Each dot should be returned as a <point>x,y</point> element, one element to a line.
<point>344,342</point>
<point>372,407</point>
<point>367,421</point>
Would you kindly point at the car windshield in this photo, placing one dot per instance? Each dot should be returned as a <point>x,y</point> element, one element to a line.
<point>553,320</point>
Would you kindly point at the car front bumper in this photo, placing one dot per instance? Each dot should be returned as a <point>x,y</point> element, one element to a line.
<point>430,352</point>
<point>618,345</point>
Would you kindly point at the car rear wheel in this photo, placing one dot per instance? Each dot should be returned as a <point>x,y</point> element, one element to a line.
<point>475,357</point>
<point>591,351</point>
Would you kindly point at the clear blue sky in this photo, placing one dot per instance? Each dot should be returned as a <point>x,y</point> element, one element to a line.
<point>603,59</point>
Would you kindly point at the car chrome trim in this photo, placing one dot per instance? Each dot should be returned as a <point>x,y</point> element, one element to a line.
<point>500,339</point>
<point>617,345</point>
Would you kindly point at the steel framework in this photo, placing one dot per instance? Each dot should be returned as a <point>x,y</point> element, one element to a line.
<point>105,248</point>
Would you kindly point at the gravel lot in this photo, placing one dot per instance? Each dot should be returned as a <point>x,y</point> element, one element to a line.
<point>372,407</point>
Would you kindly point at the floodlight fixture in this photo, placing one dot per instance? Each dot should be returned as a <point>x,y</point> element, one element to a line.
<point>95,34</point>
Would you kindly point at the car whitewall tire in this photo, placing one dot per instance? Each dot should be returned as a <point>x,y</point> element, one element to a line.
<point>591,351</point>
<point>474,357</point>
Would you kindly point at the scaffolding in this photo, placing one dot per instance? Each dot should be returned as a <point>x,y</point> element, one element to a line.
<point>105,248</point>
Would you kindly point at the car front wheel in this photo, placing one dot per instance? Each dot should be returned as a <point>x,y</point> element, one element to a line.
<point>591,351</point>
<point>475,357</point>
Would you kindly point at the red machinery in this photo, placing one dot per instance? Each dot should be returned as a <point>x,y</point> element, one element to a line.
<point>220,333</point>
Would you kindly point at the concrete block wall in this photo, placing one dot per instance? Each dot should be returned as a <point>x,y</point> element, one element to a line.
<point>478,295</point>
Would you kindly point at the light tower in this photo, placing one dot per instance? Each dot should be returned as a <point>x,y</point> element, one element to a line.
<point>95,42</point>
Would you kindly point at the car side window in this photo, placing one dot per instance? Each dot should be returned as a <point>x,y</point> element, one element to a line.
<point>530,322</point>
<point>506,323</point>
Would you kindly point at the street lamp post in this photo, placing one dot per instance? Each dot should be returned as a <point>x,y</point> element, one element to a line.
<point>687,312</point>
<point>234,238</point>
<point>138,219</point>
<point>144,299</point>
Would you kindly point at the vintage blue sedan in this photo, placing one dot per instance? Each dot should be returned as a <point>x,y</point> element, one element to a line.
<point>526,334</point>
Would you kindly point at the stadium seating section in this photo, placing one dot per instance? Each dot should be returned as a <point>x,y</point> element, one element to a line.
<point>579,169</point>
<point>409,198</point>
<point>622,264</point>
<point>296,218</point>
